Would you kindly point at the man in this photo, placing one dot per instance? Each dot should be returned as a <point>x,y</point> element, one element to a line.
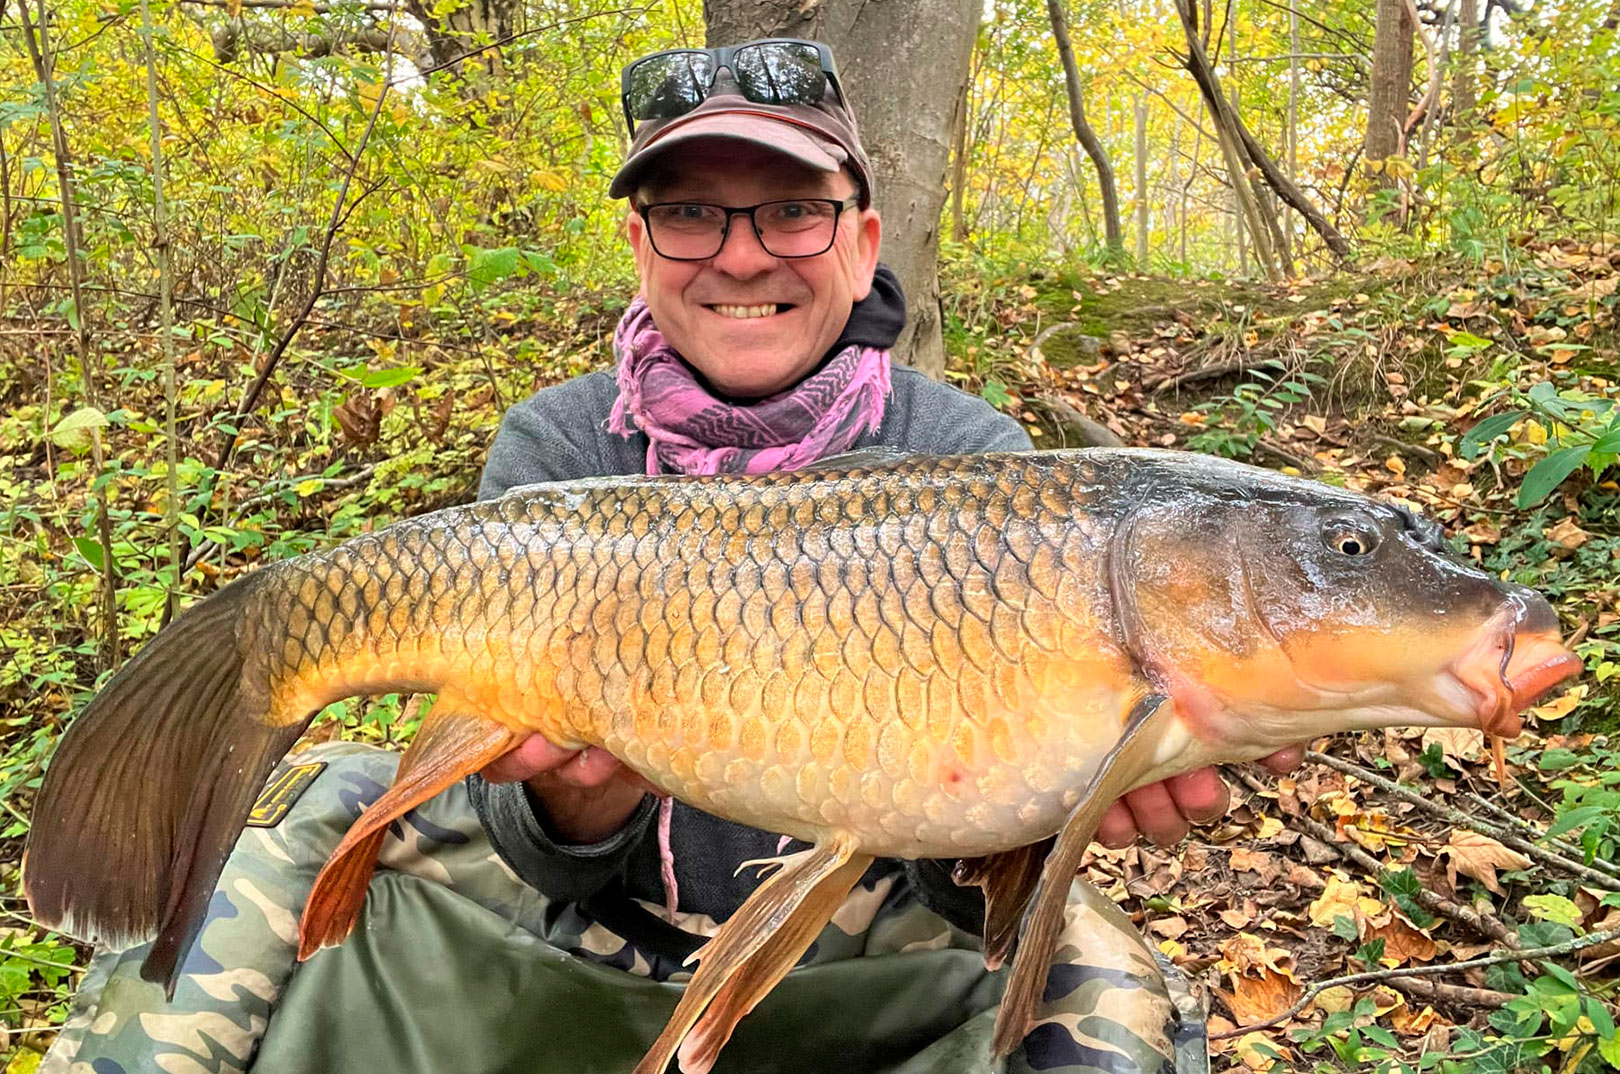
<point>533,919</point>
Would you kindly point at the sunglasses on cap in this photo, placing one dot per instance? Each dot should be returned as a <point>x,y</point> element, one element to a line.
<point>775,70</point>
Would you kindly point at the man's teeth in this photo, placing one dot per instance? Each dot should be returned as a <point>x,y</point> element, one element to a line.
<point>745,311</point>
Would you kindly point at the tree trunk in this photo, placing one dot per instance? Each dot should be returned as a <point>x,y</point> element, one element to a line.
<point>1464,81</point>
<point>903,63</point>
<point>465,29</point>
<point>1227,119</point>
<point>1390,87</point>
<point>1141,181</point>
<point>1083,132</point>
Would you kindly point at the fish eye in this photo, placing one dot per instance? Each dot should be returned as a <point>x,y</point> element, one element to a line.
<point>1350,537</point>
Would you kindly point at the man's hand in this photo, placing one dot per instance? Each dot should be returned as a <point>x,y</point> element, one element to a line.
<point>1166,811</point>
<point>587,794</point>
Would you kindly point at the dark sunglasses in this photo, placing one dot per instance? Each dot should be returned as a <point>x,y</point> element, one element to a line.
<point>774,70</point>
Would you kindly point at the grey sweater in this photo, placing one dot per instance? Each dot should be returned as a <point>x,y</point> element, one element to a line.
<point>561,433</point>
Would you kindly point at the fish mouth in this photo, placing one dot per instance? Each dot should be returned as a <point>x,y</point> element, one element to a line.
<point>1515,660</point>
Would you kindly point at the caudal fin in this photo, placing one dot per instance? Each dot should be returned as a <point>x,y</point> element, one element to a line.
<point>150,786</point>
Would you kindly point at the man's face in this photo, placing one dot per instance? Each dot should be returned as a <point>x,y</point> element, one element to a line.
<point>708,310</point>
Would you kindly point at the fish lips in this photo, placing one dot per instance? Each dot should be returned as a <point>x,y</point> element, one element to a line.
<point>1515,660</point>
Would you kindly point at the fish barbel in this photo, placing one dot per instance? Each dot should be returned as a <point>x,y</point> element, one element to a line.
<point>908,656</point>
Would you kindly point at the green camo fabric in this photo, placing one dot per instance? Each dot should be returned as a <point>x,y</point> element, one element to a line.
<point>457,965</point>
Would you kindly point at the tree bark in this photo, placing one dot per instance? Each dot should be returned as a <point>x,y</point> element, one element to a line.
<point>457,33</point>
<point>1083,132</point>
<point>959,152</point>
<point>1142,211</point>
<point>1464,80</point>
<point>1390,87</point>
<point>1196,60</point>
<point>903,63</point>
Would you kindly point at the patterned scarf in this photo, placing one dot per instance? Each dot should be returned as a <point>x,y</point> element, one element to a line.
<point>692,432</point>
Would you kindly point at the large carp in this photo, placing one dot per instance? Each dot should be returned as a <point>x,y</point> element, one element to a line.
<point>948,657</point>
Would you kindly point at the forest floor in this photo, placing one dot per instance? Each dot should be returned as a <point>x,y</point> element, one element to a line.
<point>1388,380</point>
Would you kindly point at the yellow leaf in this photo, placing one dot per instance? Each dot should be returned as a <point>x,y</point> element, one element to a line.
<point>556,182</point>
<point>1456,743</point>
<point>1341,898</point>
<point>1270,828</point>
<point>1256,1050</point>
<point>1562,705</point>
<point>301,7</point>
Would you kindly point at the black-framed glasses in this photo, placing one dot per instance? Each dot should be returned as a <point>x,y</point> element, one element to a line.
<point>772,70</point>
<point>696,231</point>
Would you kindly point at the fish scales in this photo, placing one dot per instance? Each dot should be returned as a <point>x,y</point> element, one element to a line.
<point>921,655</point>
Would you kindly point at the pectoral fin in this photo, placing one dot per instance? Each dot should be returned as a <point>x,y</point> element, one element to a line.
<point>449,746</point>
<point>1008,880</point>
<point>754,949</point>
<point>1119,771</point>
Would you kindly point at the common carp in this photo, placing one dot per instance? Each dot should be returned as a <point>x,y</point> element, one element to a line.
<point>909,656</point>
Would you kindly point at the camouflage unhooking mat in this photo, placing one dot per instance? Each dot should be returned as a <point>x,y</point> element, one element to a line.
<point>457,965</point>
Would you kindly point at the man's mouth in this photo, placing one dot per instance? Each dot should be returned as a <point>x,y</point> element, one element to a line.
<point>743,313</point>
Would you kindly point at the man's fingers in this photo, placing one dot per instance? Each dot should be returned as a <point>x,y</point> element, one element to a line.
<point>1284,760</point>
<point>1118,827</point>
<point>527,759</point>
<point>1156,814</point>
<point>1200,796</point>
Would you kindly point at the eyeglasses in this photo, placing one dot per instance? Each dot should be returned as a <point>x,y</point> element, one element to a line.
<point>694,231</point>
<point>777,70</point>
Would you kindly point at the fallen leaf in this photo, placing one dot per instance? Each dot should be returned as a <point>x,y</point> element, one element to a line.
<point>1566,534</point>
<point>1171,928</point>
<point>1342,898</point>
<point>1479,856</point>
<point>1335,999</point>
<point>1560,706</point>
<point>1457,743</point>
<point>1236,918</point>
<point>1402,943</point>
<point>1259,1052</point>
<point>1244,860</point>
<point>1261,998</point>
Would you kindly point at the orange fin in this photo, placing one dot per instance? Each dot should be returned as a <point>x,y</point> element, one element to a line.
<point>1120,769</point>
<point>761,973</point>
<point>1008,880</point>
<point>449,746</point>
<point>750,931</point>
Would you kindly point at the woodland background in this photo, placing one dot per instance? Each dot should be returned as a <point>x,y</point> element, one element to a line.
<point>271,270</point>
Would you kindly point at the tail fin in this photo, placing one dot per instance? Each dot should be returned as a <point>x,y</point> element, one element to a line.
<point>150,786</point>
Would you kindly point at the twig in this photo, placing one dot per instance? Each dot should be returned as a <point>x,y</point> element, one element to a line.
<point>1537,834</point>
<point>1458,995</point>
<point>89,372</point>
<point>1431,901</point>
<point>1465,820</point>
<point>1212,372</point>
<point>208,547</point>
<point>1299,462</point>
<point>1568,947</point>
<point>251,398</point>
<point>1428,455</point>
<point>160,244</point>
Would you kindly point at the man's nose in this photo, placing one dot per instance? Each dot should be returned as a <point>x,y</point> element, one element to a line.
<point>741,253</point>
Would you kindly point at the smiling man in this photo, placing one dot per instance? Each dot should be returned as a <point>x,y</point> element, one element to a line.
<point>758,341</point>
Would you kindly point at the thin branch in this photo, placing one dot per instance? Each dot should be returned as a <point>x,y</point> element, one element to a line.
<point>1465,820</point>
<point>302,5</point>
<point>1435,903</point>
<point>44,68</point>
<point>1568,947</point>
<point>160,245</point>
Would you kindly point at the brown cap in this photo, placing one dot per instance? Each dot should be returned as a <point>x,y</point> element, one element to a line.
<point>821,135</point>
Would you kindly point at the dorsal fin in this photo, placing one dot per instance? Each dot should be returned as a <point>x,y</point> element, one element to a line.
<point>867,458</point>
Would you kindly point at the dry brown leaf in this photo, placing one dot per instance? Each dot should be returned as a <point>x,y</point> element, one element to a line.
<point>1402,942</point>
<point>1262,998</point>
<point>1409,1024</point>
<point>1244,860</point>
<point>1236,918</point>
<point>1171,928</point>
<point>1566,534</point>
<point>1247,953</point>
<point>1479,856</point>
<point>1457,743</point>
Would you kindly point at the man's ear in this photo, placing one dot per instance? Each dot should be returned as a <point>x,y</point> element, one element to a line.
<point>868,237</point>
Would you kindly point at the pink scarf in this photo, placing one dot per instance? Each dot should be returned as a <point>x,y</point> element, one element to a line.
<point>692,432</point>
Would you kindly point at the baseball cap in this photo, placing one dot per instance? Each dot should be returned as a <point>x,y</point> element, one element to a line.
<point>822,135</point>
